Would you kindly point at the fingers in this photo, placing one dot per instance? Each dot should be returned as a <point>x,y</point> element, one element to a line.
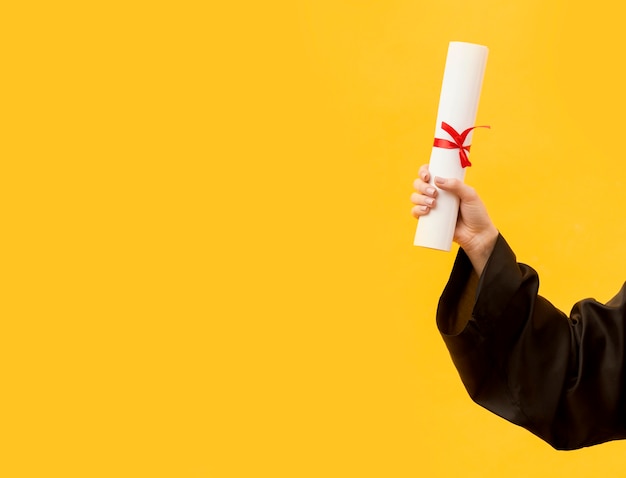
<point>424,188</point>
<point>458,187</point>
<point>419,211</point>
<point>424,174</point>
<point>421,184</point>
<point>424,198</point>
<point>423,204</point>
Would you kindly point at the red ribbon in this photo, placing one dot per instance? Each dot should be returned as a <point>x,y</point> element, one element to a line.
<point>459,139</point>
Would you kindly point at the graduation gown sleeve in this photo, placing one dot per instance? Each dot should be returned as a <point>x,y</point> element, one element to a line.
<point>560,377</point>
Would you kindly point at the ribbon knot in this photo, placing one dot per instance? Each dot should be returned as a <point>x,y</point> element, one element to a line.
<point>458,143</point>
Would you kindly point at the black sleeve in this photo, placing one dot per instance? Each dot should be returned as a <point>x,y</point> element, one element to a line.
<point>560,377</point>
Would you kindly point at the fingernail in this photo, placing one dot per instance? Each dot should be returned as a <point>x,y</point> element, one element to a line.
<point>430,201</point>
<point>424,208</point>
<point>440,180</point>
<point>430,191</point>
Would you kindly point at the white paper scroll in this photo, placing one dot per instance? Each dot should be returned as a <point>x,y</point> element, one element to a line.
<point>458,104</point>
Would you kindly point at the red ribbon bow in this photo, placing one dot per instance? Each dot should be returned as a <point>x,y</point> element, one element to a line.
<point>459,139</point>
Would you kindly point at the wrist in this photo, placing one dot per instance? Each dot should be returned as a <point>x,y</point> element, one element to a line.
<point>480,247</point>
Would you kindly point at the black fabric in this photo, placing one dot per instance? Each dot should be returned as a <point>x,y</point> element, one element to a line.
<point>560,377</point>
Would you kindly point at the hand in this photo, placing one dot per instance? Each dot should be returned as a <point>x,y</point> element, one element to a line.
<point>474,232</point>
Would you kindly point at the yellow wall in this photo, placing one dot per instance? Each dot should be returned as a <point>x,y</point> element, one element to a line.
<point>207,260</point>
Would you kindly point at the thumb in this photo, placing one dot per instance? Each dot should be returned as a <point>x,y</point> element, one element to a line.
<point>456,186</point>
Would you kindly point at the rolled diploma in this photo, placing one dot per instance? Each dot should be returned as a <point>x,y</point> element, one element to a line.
<point>458,104</point>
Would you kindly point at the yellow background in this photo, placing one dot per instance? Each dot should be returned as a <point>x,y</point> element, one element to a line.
<point>207,262</point>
